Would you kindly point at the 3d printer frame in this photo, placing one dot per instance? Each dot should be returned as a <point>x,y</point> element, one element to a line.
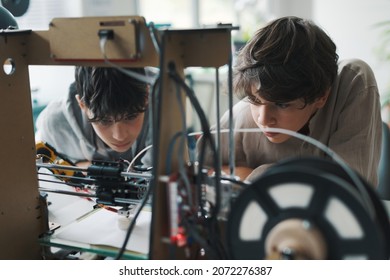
<point>133,45</point>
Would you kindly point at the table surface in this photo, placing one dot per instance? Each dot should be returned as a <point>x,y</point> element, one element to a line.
<point>80,226</point>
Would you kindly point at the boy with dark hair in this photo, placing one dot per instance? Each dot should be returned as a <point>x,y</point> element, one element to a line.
<point>288,77</point>
<point>102,118</point>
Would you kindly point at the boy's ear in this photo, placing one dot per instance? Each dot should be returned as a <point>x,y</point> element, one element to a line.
<point>322,100</point>
<point>80,102</point>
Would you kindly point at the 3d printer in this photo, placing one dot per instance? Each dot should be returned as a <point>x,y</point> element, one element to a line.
<point>240,221</point>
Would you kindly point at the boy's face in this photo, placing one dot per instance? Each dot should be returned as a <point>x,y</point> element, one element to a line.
<point>119,135</point>
<point>291,115</point>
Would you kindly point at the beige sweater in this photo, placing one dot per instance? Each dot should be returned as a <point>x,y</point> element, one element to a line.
<point>350,124</point>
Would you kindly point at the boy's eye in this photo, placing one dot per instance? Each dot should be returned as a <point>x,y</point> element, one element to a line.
<point>130,117</point>
<point>254,100</point>
<point>106,122</point>
<point>282,105</point>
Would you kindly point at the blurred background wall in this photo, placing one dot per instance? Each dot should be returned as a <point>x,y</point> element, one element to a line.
<point>354,25</point>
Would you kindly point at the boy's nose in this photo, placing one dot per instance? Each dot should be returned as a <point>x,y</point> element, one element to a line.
<point>119,131</point>
<point>266,115</point>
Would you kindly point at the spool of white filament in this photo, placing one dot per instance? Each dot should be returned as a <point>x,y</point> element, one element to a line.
<point>307,208</point>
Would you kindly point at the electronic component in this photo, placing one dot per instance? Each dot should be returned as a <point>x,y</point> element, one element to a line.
<point>112,188</point>
<point>104,180</point>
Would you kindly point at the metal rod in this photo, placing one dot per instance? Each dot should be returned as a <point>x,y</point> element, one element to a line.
<point>62,167</point>
<point>137,175</point>
<point>59,182</point>
<point>81,179</point>
<point>76,168</point>
<point>67,192</point>
<point>81,194</point>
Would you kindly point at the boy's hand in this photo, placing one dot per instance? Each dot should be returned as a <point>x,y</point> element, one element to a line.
<point>240,171</point>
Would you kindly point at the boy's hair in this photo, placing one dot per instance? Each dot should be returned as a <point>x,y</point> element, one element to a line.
<point>108,92</point>
<point>290,58</point>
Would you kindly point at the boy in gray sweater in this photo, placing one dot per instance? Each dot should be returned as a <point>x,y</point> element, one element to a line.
<point>103,117</point>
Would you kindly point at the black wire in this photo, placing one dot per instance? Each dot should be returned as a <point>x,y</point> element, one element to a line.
<point>182,170</point>
<point>216,246</point>
<point>153,121</point>
<point>132,224</point>
<point>201,241</point>
<point>236,181</point>
<point>154,125</point>
<point>206,133</point>
<point>153,180</point>
<point>171,145</point>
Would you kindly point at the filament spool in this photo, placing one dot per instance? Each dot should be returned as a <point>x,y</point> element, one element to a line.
<point>315,192</point>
